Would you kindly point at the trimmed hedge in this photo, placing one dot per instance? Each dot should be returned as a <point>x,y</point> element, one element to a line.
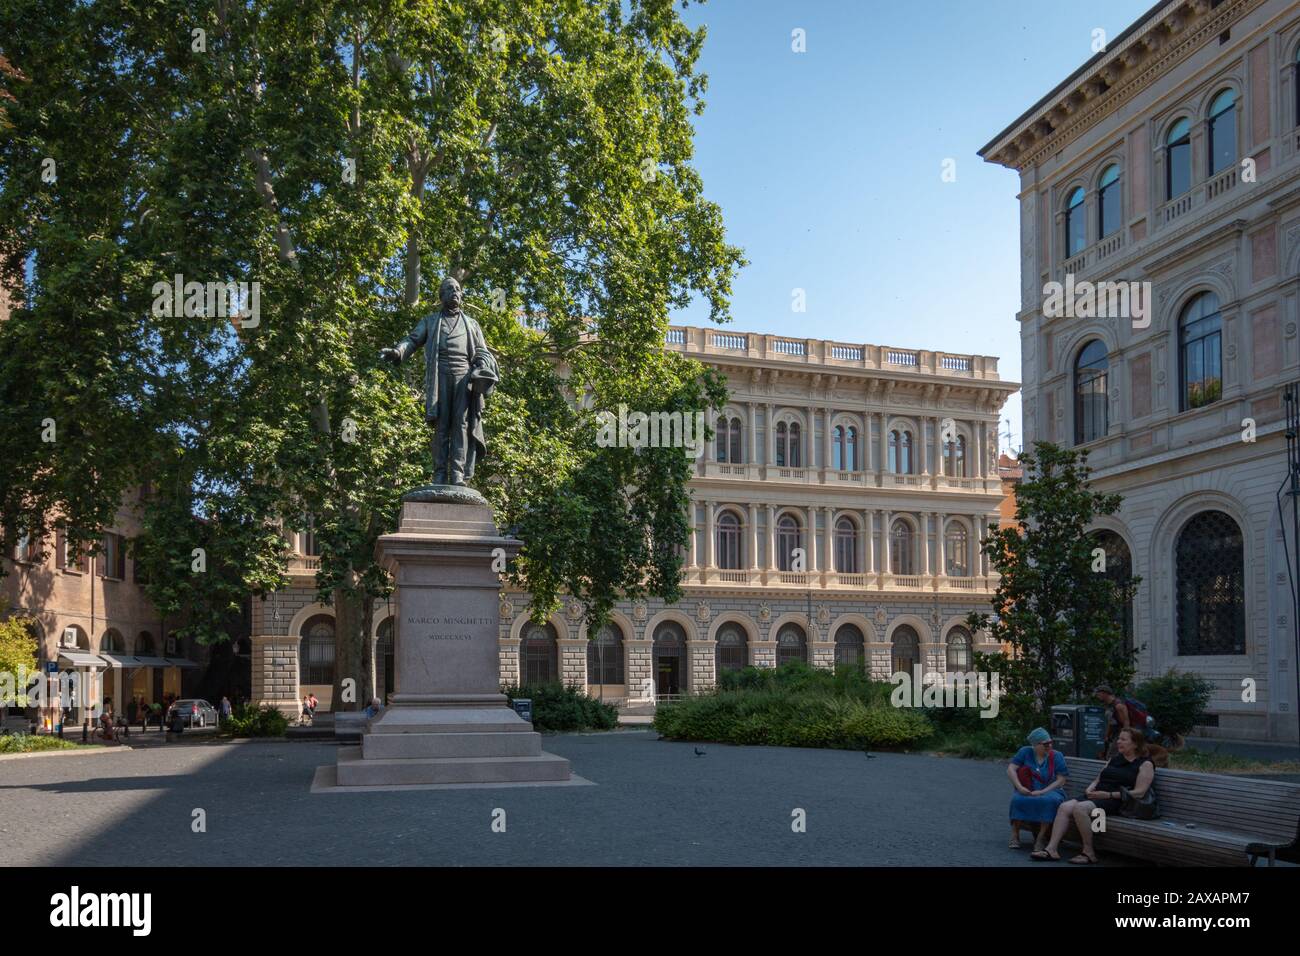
<point>560,708</point>
<point>795,706</point>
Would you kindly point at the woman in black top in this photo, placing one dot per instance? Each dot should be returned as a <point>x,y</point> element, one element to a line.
<point>1130,769</point>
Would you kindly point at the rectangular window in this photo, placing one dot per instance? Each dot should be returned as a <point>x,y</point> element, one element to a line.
<point>111,562</point>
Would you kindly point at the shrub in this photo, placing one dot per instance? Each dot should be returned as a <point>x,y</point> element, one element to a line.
<point>1176,701</point>
<point>560,708</point>
<point>808,716</point>
<point>249,721</point>
<point>30,743</point>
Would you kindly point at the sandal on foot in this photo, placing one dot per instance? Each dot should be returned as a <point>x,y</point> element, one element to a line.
<point>1083,859</point>
<point>1014,845</point>
<point>1042,856</point>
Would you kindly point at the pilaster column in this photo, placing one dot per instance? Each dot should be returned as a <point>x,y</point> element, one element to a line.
<point>710,555</point>
<point>868,535</point>
<point>753,537</point>
<point>939,536</point>
<point>828,546</point>
<point>828,453</point>
<point>937,447</point>
<point>883,465</point>
<point>770,455</point>
<point>771,538</point>
<point>924,519</point>
<point>695,548</point>
<point>886,562</point>
<point>749,452</point>
<point>923,446</point>
<point>812,539</point>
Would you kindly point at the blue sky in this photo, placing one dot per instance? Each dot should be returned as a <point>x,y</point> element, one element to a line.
<point>827,164</point>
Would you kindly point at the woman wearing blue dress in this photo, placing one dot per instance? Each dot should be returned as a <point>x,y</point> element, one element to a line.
<point>1038,774</point>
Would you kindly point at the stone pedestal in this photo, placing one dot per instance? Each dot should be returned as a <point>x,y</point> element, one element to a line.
<point>448,722</point>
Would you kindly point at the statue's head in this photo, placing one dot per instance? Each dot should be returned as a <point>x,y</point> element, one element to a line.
<point>449,293</point>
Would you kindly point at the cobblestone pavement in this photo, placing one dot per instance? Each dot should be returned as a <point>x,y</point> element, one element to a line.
<point>655,803</point>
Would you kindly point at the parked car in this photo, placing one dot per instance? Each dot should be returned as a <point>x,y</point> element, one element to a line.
<point>192,713</point>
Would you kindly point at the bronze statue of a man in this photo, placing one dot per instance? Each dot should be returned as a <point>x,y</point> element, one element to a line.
<point>459,374</point>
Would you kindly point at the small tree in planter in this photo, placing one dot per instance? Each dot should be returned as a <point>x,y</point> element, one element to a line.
<point>1177,702</point>
<point>1052,605</point>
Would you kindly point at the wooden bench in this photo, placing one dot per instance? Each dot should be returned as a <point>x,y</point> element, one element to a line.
<point>1206,819</point>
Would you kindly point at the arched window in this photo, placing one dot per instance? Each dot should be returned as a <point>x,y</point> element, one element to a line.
<point>956,551</point>
<point>1222,132</point>
<point>906,651</point>
<point>1178,159</point>
<point>668,649</point>
<point>605,656</point>
<point>838,449</point>
<point>112,642</point>
<point>732,650</point>
<point>729,556</point>
<point>846,546</point>
<point>384,672</point>
<point>959,650</point>
<point>787,539</point>
<point>1119,569</point>
<point>728,440</point>
<point>144,646</point>
<point>782,437</point>
<point>1076,224</point>
<point>1108,202</point>
<point>902,547</point>
<point>316,651</point>
<point>1090,404</point>
<point>1200,351</point>
<point>900,452</point>
<point>851,462</point>
<point>954,457</point>
<point>849,646</point>
<point>539,653</point>
<point>791,644</point>
<point>794,453</point>
<point>1211,586</point>
<point>1295,83</point>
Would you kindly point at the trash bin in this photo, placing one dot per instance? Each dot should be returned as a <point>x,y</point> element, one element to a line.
<point>524,708</point>
<point>1078,730</point>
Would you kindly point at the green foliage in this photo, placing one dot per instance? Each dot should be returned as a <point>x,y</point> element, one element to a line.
<point>1057,613</point>
<point>539,152</point>
<point>1177,701</point>
<point>795,705</point>
<point>560,708</point>
<point>32,743</point>
<point>248,721</point>
<point>17,654</point>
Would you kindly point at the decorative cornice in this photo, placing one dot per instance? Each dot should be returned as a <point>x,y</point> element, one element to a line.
<point>1117,78</point>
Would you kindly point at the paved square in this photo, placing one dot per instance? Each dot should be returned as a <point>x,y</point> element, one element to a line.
<point>654,803</point>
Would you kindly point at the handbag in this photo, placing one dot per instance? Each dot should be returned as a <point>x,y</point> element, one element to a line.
<point>1026,775</point>
<point>1145,807</point>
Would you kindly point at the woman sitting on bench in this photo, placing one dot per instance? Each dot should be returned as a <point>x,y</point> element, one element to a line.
<point>1131,769</point>
<point>1038,773</point>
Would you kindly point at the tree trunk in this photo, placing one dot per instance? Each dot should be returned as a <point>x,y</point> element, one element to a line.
<point>348,643</point>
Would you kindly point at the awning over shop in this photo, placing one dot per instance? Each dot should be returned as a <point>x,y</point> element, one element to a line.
<point>181,662</point>
<point>81,659</point>
<point>120,660</point>
<point>152,662</point>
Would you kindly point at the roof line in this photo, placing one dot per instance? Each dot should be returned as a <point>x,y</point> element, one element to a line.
<point>1088,65</point>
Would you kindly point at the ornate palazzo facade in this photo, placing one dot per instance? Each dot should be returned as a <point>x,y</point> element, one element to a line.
<point>837,517</point>
<point>1172,160</point>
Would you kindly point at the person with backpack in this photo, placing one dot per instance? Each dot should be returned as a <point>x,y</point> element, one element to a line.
<point>1039,775</point>
<point>1125,713</point>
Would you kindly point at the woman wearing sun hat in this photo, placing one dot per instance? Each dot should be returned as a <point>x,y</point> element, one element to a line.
<point>1039,774</point>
